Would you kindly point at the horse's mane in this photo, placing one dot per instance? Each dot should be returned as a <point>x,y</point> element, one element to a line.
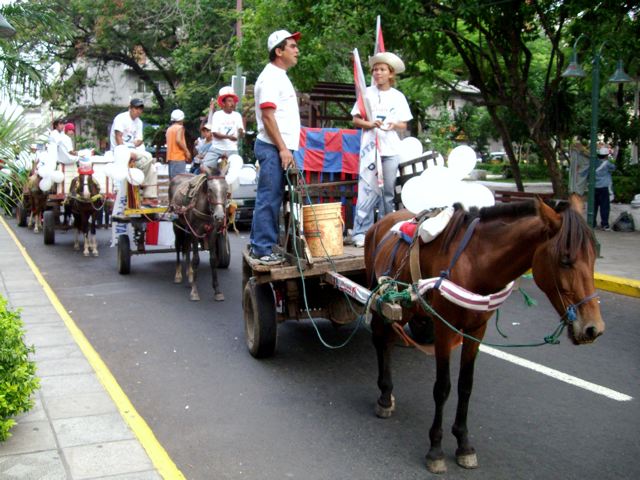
<point>574,236</point>
<point>462,218</point>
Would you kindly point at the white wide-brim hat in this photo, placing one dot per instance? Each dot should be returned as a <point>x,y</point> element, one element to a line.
<point>391,59</point>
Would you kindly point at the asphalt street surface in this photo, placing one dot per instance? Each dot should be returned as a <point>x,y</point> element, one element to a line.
<point>307,413</point>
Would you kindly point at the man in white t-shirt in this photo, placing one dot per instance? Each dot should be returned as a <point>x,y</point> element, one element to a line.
<point>227,125</point>
<point>278,119</point>
<point>127,130</point>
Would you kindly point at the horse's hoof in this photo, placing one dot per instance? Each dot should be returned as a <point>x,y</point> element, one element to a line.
<point>77,249</point>
<point>86,254</point>
<point>219,297</point>
<point>194,297</point>
<point>95,254</point>
<point>469,460</point>
<point>437,466</point>
<point>177,280</point>
<point>386,412</point>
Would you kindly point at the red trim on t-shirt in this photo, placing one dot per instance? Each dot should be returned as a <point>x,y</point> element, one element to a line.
<point>267,105</point>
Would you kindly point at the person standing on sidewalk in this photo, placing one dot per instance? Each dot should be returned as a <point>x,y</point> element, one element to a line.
<point>390,111</point>
<point>126,129</point>
<point>278,119</point>
<point>603,183</point>
<point>177,152</point>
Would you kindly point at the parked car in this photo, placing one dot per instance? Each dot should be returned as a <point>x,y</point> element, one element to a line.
<point>245,195</point>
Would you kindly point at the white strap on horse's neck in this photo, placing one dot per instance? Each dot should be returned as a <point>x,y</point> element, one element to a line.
<point>464,298</point>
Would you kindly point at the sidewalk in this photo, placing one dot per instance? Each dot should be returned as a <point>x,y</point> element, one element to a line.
<point>77,429</point>
<point>83,426</point>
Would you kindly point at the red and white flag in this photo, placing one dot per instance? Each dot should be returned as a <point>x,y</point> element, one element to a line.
<point>379,46</point>
<point>370,162</point>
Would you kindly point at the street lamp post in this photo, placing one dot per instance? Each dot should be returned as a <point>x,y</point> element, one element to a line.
<point>574,70</point>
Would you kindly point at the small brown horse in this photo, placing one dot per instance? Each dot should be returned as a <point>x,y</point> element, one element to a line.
<point>507,241</point>
<point>85,203</point>
<point>201,204</point>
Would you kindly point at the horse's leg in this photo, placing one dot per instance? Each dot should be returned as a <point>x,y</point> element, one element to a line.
<point>383,339</point>
<point>218,296</point>
<point>76,232</point>
<point>179,236</point>
<point>193,273</point>
<point>94,241</point>
<point>465,454</point>
<point>441,390</point>
<point>85,232</point>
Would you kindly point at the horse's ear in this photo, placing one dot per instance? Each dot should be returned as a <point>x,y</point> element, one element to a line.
<point>576,202</point>
<point>549,216</point>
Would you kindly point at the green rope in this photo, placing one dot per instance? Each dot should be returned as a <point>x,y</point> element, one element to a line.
<point>301,271</point>
<point>529,301</point>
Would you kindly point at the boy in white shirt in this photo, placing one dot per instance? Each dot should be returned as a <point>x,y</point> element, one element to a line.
<point>226,124</point>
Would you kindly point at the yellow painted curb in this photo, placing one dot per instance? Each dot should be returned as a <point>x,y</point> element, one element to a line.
<point>623,286</point>
<point>158,455</point>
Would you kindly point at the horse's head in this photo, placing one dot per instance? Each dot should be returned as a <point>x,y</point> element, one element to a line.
<point>217,197</point>
<point>563,268</point>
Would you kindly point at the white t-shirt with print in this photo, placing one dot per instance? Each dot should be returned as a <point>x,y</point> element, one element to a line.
<point>388,106</point>
<point>274,89</point>
<point>226,124</point>
<point>131,130</point>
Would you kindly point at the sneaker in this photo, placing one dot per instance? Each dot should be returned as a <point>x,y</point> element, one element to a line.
<point>269,259</point>
<point>358,240</point>
<point>606,228</point>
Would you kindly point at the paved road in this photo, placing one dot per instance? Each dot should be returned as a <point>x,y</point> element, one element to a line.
<point>308,412</point>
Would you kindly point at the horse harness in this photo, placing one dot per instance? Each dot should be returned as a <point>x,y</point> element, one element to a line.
<point>189,191</point>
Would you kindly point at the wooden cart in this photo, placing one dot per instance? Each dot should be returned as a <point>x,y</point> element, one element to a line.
<point>139,218</point>
<point>305,286</point>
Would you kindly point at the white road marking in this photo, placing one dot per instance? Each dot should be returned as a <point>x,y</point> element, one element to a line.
<point>558,375</point>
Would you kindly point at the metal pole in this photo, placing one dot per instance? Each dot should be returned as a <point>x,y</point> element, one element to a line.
<point>595,95</point>
<point>634,145</point>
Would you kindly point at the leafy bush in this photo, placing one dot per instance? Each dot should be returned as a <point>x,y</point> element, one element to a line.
<point>626,184</point>
<point>17,372</point>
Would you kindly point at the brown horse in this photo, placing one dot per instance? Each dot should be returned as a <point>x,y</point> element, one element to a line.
<point>508,240</point>
<point>85,203</point>
<point>36,201</point>
<point>200,201</point>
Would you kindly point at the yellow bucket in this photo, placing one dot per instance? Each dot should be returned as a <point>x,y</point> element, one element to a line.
<point>322,225</point>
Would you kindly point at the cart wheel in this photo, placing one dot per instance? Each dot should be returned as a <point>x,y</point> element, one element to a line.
<point>49,227</point>
<point>224,250</point>
<point>247,272</point>
<point>21,215</point>
<point>124,255</point>
<point>422,330</point>
<point>260,325</point>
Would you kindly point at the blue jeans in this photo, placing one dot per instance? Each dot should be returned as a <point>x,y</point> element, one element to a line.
<point>366,206</point>
<point>176,167</point>
<point>266,214</point>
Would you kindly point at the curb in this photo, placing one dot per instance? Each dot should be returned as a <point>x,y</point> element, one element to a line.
<point>623,286</point>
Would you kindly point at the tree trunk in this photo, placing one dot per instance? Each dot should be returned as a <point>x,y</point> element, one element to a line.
<point>555,173</point>
<point>508,147</point>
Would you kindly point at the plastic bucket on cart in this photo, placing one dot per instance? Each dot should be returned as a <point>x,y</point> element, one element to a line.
<point>322,225</point>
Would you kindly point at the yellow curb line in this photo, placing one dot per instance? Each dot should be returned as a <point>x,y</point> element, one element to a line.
<point>623,286</point>
<point>158,455</point>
